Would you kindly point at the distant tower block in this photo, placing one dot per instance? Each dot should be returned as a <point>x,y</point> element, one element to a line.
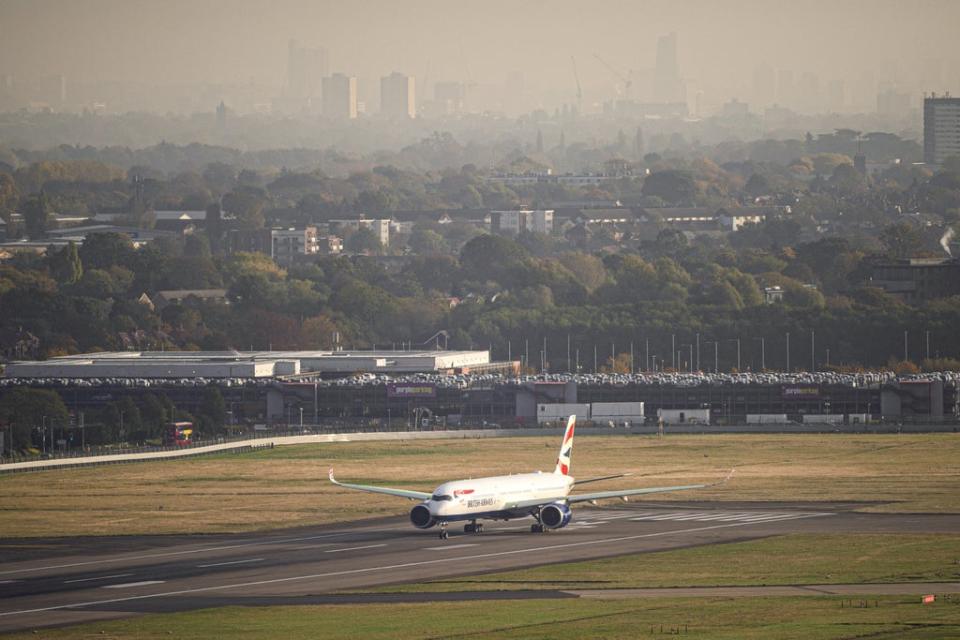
<point>941,128</point>
<point>398,96</point>
<point>340,97</point>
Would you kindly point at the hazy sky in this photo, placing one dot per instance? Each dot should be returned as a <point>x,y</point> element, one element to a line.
<point>240,40</point>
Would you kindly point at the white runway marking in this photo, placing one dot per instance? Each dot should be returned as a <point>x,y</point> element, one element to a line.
<point>166,554</point>
<point>405,565</point>
<point>369,546</point>
<point>116,575</point>
<point>223,564</point>
<point>130,585</point>
<point>7,581</point>
<point>746,517</point>
<point>452,546</point>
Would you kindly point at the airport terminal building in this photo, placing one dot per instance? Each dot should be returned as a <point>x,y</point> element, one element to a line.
<point>279,389</point>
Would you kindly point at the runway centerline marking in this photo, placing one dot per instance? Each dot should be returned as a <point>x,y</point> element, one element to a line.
<point>166,554</point>
<point>130,585</point>
<point>452,546</point>
<point>116,575</point>
<point>223,564</point>
<point>369,546</point>
<point>405,565</point>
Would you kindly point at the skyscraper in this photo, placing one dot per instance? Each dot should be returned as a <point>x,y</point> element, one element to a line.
<point>667,86</point>
<point>305,69</point>
<point>941,128</point>
<point>340,96</point>
<point>398,96</point>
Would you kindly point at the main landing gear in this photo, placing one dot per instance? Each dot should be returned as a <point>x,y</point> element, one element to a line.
<point>473,527</point>
<point>538,527</point>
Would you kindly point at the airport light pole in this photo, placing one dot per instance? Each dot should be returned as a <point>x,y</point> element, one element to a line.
<point>788,352</point>
<point>673,351</point>
<point>690,362</point>
<point>763,353</point>
<point>716,354</point>
<point>737,340</point>
<point>698,351</point>
<point>813,352</point>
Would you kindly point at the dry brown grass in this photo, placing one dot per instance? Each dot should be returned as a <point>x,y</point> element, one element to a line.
<point>287,486</point>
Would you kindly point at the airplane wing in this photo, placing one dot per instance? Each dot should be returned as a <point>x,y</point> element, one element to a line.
<point>400,493</point>
<point>619,475</point>
<point>603,495</point>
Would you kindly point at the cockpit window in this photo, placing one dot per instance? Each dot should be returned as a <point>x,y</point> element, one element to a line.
<point>437,497</point>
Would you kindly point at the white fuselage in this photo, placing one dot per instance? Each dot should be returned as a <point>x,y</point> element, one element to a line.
<point>495,496</point>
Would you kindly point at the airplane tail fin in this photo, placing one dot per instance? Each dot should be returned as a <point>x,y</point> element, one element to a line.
<point>566,448</point>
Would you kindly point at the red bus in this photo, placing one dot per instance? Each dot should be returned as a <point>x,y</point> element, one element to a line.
<point>179,434</point>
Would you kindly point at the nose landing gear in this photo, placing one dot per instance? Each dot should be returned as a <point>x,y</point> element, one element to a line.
<point>444,534</point>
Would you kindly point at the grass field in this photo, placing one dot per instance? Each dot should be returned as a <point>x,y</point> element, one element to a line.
<point>287,486</point>
<point>782,560</point>
<point>810,618</point>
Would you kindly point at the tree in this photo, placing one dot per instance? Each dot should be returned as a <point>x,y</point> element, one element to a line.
<point>757,185</point>
<point>24,409</point>
<point>102,250</point>
<point>65,265</point>
<point>427,242</point>
<point>9,196</point>
<point>364,240</point>
<point>212,411</point>
<point>36,215</point>
<point>901,240</point>
<point>671,185</point>
<point>846,178</point>
<point>488,255</point>
<point>246,204</point>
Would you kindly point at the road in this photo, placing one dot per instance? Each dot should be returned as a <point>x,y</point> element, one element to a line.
<point>67,581</point>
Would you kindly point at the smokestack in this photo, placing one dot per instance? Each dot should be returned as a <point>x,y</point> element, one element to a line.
<point>945,240</point>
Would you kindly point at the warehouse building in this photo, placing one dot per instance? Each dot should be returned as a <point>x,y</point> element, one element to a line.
<point>281,365</point>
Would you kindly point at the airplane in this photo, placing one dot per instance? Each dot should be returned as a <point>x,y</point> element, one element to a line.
<point>544,496</point>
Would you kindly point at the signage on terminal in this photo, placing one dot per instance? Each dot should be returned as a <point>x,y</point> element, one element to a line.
<point>411,390</point>
<point>801,392</point>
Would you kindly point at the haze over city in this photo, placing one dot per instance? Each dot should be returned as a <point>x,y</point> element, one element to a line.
<point>811,57</point>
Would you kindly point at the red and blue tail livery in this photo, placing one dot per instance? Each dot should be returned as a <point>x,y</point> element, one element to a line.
<point>566,448</point>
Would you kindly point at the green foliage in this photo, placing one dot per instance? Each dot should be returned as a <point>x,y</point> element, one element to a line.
<point>23,410</point>
<point>901,240</point>
<point>36,215</point>
<point>365,241</point>
<point>65,264</point>
<point>675,187</point>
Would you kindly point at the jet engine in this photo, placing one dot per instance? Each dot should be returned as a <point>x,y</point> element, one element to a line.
<point>421,518</point>
<point>555,516</point>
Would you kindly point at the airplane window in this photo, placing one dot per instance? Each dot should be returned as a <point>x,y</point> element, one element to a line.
<point>440,498</point>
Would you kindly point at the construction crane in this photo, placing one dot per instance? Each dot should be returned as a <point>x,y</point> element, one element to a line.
<point>576,77</point>
<point>624,78</point>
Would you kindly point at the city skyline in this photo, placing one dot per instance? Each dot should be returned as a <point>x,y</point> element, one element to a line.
<point>517,58</point>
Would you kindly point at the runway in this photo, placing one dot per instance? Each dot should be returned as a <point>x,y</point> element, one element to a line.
<point>64,581</point>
